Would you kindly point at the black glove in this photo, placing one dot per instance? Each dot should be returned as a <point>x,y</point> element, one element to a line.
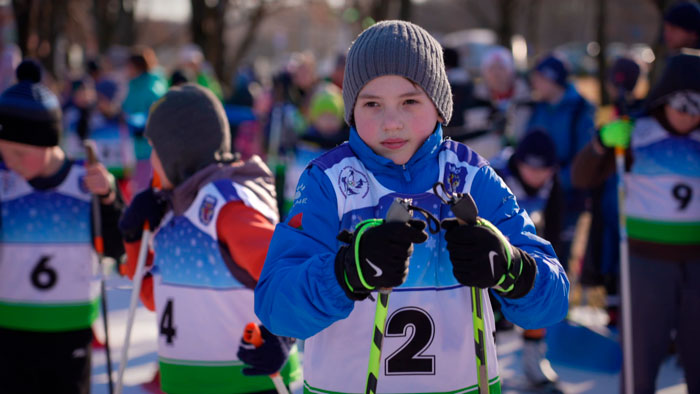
<point>482,257</point>
<point>146,206</point>
<point>269,357</point>
<point>382,259</point>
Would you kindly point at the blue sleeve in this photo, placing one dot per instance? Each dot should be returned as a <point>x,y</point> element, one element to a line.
<point>298,294</point>
<point>548,301</point>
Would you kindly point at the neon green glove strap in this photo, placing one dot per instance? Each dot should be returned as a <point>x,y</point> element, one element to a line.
<point>509,277</point>
<point>359,230</point>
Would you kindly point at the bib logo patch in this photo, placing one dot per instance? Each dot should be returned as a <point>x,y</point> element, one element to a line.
<point>454,177</point>
<point>206,210</point>
<point>353,183</point>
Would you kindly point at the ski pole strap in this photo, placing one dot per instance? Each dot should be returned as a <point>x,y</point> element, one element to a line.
<point>375,352</point>
<point>479,340</point>
<point>359,230</point>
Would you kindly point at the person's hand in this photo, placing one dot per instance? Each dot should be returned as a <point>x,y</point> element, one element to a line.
<point>99,181</point>
<point>616,134</point>
<point>377,256</point>
<point>268,358</point>
<point>146,206</point>
<point>482,257</point>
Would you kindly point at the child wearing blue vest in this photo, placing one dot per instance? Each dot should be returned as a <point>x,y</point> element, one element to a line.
<point>212,222</point>
<point>315,287</point>
<point>662,211</point>
<point>530,172</point>
<point>49,271</point>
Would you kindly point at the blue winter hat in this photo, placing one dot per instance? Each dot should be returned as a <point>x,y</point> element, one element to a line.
<point>108,89</point>
<point>29,112</point>
<point>685,15</point>
<point>537,150</point>
<point>553,69</point>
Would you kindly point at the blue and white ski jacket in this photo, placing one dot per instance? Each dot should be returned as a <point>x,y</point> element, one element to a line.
<point>299,296</point>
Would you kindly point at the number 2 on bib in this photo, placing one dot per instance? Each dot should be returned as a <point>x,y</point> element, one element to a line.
<point>167,326</point>
<point>409,358</point>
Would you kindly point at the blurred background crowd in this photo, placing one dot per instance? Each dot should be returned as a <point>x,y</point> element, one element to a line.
<point>532,81</point>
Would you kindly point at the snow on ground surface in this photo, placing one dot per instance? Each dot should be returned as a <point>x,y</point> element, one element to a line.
<point>143,360</point>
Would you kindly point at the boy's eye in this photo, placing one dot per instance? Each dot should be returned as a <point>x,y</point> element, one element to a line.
<point>370,104</point>
<point>411,101</point>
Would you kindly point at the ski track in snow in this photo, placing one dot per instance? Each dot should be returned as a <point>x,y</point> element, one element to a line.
<point>143,358</point>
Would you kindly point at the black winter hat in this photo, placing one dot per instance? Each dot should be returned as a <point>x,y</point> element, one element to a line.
<point>685,15</point>
<point>681,74</point>
<point>537,149</point>
<point>29,112</point>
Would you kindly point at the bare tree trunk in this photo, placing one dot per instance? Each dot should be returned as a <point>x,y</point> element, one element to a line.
<point>207,27</point>
<point>380,10</point>
<point>659,48</point>
<point>506,9</point>
<point>533,31</point>
<point>40,26</point>
<point>406,10</point>
<point>22,10</point>
<point>601,19</point>
<point>114,23</point>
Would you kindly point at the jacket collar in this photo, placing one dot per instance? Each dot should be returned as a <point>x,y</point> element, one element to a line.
<point>419,172</point>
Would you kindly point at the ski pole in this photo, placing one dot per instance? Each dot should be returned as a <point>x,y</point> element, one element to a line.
<point>627,353</point>
<point>138,278</point>
<point>98,241</point>
<point>252,335</point>
<point>399,211</point>
<point>624,273</point>
<point>465,210</point>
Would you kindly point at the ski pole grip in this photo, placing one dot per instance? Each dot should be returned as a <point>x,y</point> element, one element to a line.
<point>90,151</point>
<point>252,335</point>
<point>465,209</point>
<point>399,212</point>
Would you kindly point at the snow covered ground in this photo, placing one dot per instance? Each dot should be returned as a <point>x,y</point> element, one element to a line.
<point>143,360</point>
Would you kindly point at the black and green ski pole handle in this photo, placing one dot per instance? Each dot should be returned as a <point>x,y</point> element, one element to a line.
<point>91,156</point>
<point>464,208</point>
<point>399,211</point>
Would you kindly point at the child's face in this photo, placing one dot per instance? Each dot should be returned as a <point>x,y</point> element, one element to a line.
<point>27,160</point>
<point>498,78</point>
<point>394,117</point>
<point>328,124</point>
<point>677,37</point>
<point>682,122</point>
<point>158,168</point>
<point>543,87</point>
<point>535,177</point>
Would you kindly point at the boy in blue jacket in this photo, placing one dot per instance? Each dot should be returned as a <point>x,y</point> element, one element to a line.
<point>315,287</point>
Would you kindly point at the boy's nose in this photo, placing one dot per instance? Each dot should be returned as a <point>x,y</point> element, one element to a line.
<point>392,121</point>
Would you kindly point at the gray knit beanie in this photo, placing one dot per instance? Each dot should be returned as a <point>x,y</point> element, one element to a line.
<point>397,48</point>
<point>189,130</point>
